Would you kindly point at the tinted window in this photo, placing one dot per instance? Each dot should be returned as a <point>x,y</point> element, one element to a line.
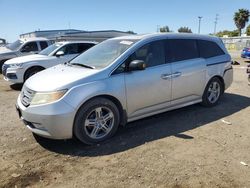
<point>30,47</point>
<point>209,49</point>
<point>69,49</point>
<point>182,49</point>
<point>84,47</point>
<point>152,54</point>
<point>43,44</point>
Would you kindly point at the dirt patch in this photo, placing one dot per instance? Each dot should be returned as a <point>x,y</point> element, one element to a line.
<point>23,180</point>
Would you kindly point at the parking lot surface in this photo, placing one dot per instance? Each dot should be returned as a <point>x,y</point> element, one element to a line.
<point>189,147</point>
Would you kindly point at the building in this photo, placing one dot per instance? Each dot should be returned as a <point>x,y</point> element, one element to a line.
<point>51,34</point>
<point>72,34</point>
<point>97,36</point>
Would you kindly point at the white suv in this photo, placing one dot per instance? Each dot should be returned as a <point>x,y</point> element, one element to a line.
<point>19,69</point>
<point>23,47</point>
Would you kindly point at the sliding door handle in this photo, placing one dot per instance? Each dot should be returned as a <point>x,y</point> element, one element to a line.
<point>176,74</point>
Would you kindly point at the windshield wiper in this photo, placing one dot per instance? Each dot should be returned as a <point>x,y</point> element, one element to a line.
<point>83,65</point>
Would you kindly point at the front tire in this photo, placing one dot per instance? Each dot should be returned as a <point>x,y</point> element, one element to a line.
<point>96,121</point>
<point>213,92</point>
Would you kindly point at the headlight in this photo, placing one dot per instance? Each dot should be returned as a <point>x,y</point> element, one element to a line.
<point>16,65</point>
<point>43,98</point>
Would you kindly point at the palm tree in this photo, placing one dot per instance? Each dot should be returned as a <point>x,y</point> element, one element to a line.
<point>241,18</point>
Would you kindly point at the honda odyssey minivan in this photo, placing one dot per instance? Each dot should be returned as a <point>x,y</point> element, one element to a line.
<point>121,80</point>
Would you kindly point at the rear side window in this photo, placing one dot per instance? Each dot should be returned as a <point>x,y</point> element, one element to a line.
<point>209,49</point>
<point>181,49</point>
<point>43,44</point>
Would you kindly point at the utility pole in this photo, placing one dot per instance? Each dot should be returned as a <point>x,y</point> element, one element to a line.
<point>199,28</point>
<point>158,29</point>
<point>215,23</point>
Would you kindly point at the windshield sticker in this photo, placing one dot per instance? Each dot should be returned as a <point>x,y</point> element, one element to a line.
<point>126,42</point>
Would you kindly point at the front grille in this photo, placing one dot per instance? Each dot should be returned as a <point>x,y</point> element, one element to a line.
<point>4,69</point>
<point>27,96</point>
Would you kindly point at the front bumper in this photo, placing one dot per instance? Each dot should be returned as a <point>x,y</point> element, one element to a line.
<point>14,75</point>
<point>54,120</point>
<point>228,77</point>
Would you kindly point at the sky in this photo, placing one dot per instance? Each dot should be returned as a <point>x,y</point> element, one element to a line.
<point>140,16</point>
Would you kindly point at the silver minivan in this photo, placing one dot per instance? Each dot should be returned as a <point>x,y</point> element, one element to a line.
<point>121,80</point>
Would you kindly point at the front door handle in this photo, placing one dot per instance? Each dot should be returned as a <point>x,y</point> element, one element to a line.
<point>176,74</point>
<point>166,76</point>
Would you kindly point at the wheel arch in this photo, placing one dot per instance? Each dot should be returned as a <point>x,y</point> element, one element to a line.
<point>221,79</point>
<point>32,67</point>
<point>122,111</point>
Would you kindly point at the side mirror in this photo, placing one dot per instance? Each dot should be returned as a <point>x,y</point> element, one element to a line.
<point>59,53</point>
<point>137,65</point>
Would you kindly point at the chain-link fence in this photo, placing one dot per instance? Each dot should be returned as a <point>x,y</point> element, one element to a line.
<point>236,43</point>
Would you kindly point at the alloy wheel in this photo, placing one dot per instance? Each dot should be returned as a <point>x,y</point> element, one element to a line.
<point>213,92</point>
<point>99,122</point>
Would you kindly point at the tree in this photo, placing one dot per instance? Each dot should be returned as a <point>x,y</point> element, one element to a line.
<point>248,30</point>
<point>241,18</point>
<point>184,30</point>
<point>131,32</point>
<point>165,29</point>
<point>233,33</point>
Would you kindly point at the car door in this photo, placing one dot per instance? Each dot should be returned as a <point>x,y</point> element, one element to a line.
<point>148,90</point>
<point>188,71</point>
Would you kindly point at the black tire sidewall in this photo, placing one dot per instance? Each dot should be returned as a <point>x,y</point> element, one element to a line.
<point>205,101</point>
<point>81,116</point>
<point>30,72</point>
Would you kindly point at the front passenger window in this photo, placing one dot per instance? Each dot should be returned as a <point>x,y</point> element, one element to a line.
<point>152,54</point>
<point>30,47</point>
<point>69,49</point>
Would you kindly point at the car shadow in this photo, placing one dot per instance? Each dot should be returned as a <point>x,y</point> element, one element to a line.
<point>172,123</point>
<point>17,87</point>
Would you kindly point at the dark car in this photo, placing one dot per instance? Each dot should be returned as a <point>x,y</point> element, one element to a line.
<point>246,53</point>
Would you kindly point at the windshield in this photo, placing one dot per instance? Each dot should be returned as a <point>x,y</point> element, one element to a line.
<point>15,45</point>
<point>47,51</point>
<point>104,53</point>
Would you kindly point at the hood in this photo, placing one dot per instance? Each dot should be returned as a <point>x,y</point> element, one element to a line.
<point>5,50</point>
<point>28,58</point>
<point>58,77</point>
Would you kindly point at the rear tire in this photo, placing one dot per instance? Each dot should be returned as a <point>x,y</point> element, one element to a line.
<point>31,71</point>
<point>213,92</point>
<point>96,121</point>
